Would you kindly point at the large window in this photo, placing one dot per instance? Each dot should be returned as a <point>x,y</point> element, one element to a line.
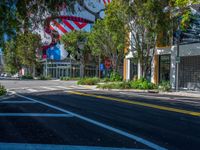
<point>164,68</point>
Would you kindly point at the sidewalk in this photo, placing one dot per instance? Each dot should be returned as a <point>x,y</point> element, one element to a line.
<point>151,93</point>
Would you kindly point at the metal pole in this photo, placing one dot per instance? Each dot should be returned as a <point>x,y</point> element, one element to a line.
<point>177,62</point>
<point>46,69</point>
<point>99,67</point>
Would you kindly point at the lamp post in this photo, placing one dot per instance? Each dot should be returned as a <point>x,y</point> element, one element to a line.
<point>81,47</point>
<point>178,33</point>
<point>174,12</point>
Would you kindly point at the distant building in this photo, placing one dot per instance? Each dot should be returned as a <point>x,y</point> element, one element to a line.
<point>55,59</point>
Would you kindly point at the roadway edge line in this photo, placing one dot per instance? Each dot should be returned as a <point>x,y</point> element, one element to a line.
<point>102,125</point>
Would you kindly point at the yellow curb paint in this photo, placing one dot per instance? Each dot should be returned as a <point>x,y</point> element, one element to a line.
<point>182,111</point>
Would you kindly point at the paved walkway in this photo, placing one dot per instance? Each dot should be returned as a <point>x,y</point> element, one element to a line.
<point>182,94</point>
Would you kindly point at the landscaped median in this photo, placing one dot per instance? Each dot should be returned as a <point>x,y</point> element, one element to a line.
<point>141,84</point>
<point>2,90</point>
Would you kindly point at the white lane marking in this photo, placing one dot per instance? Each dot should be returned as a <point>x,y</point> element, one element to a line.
<point>48,88</point>
<point>17,146</point>
<point>17,102</point>
<point>102,125</point>
<point>62,87</point>
<point>77,87</point>
<point>19,88</point>
<point>32,90</point>
<point>33,115</point>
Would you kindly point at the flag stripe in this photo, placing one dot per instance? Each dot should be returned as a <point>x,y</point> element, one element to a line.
<point>80,25</point>
<point>59,26</point>
<point>68,24</point>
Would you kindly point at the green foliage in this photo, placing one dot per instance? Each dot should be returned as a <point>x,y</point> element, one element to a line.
<point>64,78</point>
<point>108,36</point>
<point>69,78</point>
<point>115,76</point>
<point>2,90</point>
<point>12,62</point>
<point>21,52</point>
<point>27,77</point>
<point>72,40</point>
<point>88,81</point>
<point>116,85</point>
<point>106,79</point>
<point>142,84</point>
<point>45,77</point>
<point>18,15</point>
<point>164,86</point>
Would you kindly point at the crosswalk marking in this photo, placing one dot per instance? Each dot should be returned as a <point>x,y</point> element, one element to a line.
<point>63,87</point>
<point>48,88</point>
<point>32,90</point>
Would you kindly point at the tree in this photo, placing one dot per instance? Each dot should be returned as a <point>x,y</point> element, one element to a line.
<point>21,52</point>
<point>12,62</point>
<point>26,15</point>
<point>75,42</point>
<point>107,37</point>
<point>145,27</point>
<point>123,18</point>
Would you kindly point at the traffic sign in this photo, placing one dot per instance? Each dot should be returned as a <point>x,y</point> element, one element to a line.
<point>107,63</point>
<point>101,67</point>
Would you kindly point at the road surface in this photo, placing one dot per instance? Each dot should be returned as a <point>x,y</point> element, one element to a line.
<point>58,115</point>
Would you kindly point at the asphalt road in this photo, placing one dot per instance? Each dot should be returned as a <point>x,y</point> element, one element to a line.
<point>75,118</point>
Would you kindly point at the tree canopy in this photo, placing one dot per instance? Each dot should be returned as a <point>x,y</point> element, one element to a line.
<point>108,36</point>
<point>21,52</point>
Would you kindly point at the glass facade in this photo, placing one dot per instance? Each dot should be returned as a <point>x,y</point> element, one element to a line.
<point>68,68</point>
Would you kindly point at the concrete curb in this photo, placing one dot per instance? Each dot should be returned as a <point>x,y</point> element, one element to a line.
<point>158,93</point>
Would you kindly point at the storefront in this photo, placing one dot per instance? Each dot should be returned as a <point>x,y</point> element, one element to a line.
<point>67,68</point>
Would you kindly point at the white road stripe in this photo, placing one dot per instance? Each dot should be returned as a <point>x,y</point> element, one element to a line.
<point>33,115</point>
<point>32,90</point>
<point>63,87</point>
<point>97,123</point>
<point>48,88</point>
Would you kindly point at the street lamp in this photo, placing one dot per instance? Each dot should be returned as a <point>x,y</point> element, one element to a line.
<point>81,45</point>
<point>174,12</point>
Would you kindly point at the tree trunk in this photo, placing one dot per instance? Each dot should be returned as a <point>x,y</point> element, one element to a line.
<point>82,67</point>
<point>139,68</point>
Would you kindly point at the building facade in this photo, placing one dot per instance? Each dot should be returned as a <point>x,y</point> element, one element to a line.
<point>56,61</point>
<point>164,62</point>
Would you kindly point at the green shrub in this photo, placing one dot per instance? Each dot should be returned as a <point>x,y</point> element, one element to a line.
<point>2,90</point>
<point>142,84</point>
<point>45,77</point>
<point>106,79</point>
<point>115,76</point>
<point>164,86</point>
<point>123,85</point>
<point>69,78</point>
<point>88,81</point>
<point>28,76</point>
<point>65,78</point>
